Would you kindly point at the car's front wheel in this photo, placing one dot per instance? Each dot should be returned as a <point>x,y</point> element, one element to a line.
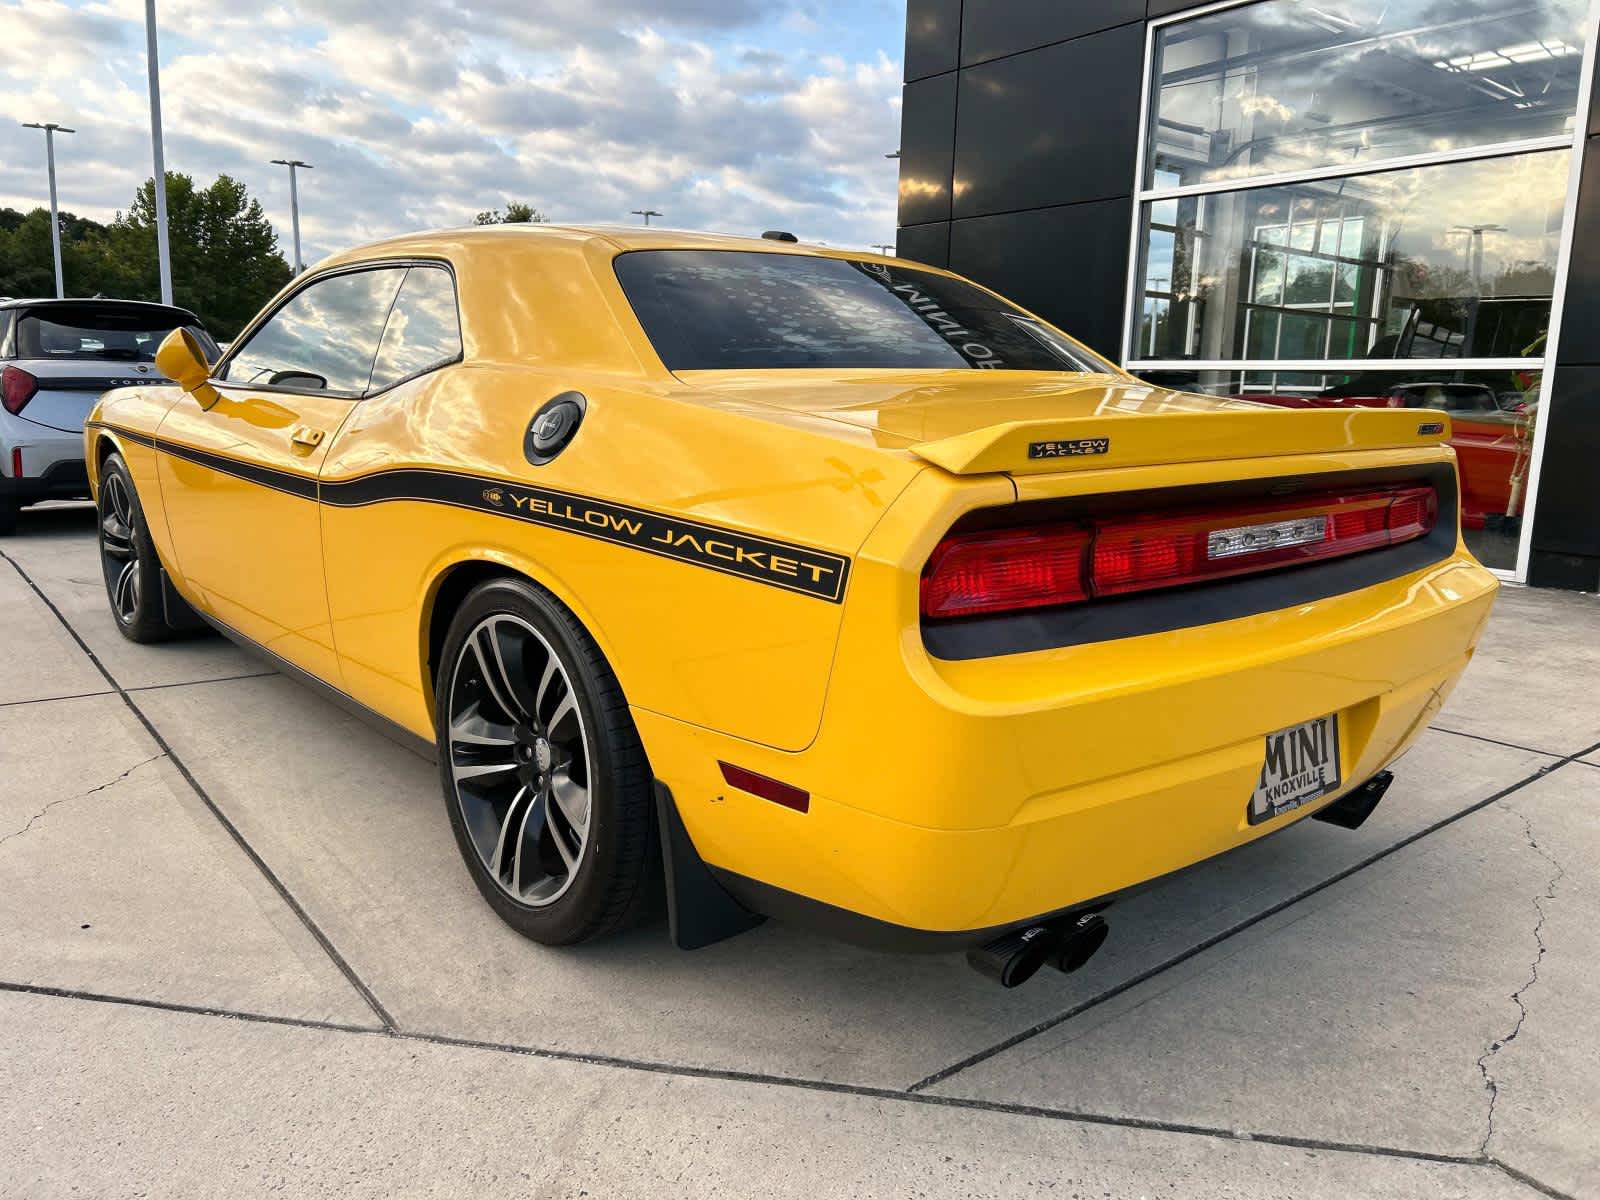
<point>544,778</point>
<point>128,557</point>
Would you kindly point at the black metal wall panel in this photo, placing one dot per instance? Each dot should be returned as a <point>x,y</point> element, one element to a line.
<point>927,140</point>
<point>1580,319</point>
<point>1566,524</point>
<point>933,37</point>
<point>1568,517</point>
<point>1163,8</point>
<point>1068,264</point>
<point>1052,126</point>
<point>992,28</point>
<point>925,243</point>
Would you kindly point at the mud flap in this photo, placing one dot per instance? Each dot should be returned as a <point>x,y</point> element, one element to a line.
<point>700,912</point>
<point>175,610</point>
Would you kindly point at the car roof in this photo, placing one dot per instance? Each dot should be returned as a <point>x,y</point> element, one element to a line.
<point>513,270</point>
<point>618,238</point>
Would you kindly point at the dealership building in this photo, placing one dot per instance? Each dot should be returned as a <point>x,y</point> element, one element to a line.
<point>1312,203</point>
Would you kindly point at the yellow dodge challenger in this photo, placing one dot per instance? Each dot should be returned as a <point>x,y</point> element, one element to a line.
<point>842,588</point>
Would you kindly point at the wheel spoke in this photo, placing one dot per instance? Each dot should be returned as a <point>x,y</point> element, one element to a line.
<point>118,537</point>
<point>123,595</point>
<point>472,728</point>
<point>571,798</point>
<point>551,671</point>
<point>567,707</point>
<point>118,498</point>
<point>559,839</point>
<point>506,822</point>
<point>538,805</point>
<point>492,667</point>
<point>465,771</point>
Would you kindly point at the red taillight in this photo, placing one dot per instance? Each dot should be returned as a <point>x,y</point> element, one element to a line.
<point>1012,568</point>
<point>16,388</point>
<point>1009,569</point>
<point>16,462</point>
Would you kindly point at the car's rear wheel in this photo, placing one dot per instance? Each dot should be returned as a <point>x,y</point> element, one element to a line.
<point>544,777</point>
<point>8,517</point>
<point>128,557</point>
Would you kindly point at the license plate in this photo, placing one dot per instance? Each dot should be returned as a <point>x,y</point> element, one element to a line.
<point>1301,763</point>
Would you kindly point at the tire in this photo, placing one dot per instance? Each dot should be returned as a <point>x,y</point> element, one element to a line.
<point>544,778</point>
<point>8,517</point>
<point>128,558</point>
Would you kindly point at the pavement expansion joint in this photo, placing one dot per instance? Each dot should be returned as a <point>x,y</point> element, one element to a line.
<point>862,1091</point>
<point>233,831</point>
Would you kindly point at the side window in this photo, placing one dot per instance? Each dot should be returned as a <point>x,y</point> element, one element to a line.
<point>324,339</point>
<point>423,330</point>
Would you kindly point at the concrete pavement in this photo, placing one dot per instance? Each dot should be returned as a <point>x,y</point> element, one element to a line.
<point>241,956</point>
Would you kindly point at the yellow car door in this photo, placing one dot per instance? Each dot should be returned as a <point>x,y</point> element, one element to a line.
<point>240,479</point>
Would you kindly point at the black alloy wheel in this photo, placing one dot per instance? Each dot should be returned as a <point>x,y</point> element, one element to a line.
<point>128,557</point>
<point>544,778</point>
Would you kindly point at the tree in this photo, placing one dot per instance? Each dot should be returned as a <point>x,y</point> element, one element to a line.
<point>26,267</point>
<point>225,258</point>
<point>517,213</point>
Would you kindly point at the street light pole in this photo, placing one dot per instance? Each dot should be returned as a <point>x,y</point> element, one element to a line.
<point>294,204</point>
<point>163,257</point>
<point>646,213</point>
<point>50,130</point>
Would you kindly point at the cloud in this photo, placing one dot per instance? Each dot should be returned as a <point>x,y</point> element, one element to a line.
<point>725,114</point>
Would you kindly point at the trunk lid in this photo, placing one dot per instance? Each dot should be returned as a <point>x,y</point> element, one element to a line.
<point>1023,422</point>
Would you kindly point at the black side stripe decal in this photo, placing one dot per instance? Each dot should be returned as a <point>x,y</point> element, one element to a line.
<point>785,565</point>
<point>138,439</point>
<point>304,486</point>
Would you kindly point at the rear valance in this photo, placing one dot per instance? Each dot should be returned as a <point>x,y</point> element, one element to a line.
<point>1138,440</point>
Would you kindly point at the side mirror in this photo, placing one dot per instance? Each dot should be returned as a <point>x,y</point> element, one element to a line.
<point>181,360</point>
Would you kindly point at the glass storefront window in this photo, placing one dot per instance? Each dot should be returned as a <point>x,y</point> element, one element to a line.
<point>1493,415</point>
<point>1286,85</point>
<point>1283,252</point>
<point>1452,260</point>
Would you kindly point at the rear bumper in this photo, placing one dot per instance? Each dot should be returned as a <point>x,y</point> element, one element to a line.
<point>66,480</point>
<point>52,462</point>
<point>951,800</point>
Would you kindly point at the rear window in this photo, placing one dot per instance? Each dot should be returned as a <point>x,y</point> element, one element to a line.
<point>118,334</point>
<point>708,310</point>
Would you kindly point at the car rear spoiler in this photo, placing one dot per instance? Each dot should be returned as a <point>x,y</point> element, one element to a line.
<point>1154,439</point>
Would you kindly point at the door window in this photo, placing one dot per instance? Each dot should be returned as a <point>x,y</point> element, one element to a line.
<point>423,332</point>
<point>324,339</point>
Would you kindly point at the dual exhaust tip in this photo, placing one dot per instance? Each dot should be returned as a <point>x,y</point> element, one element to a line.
<point>1014,958</point>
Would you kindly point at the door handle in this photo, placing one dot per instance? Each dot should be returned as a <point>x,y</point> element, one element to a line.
<point>306,436</point>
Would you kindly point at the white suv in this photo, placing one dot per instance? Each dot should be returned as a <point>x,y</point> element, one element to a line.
<point>56,357</point>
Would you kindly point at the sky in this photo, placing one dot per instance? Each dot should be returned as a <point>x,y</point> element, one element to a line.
<point>730,115</point>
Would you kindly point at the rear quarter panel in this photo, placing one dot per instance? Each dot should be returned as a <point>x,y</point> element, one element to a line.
<point>735,654</point>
